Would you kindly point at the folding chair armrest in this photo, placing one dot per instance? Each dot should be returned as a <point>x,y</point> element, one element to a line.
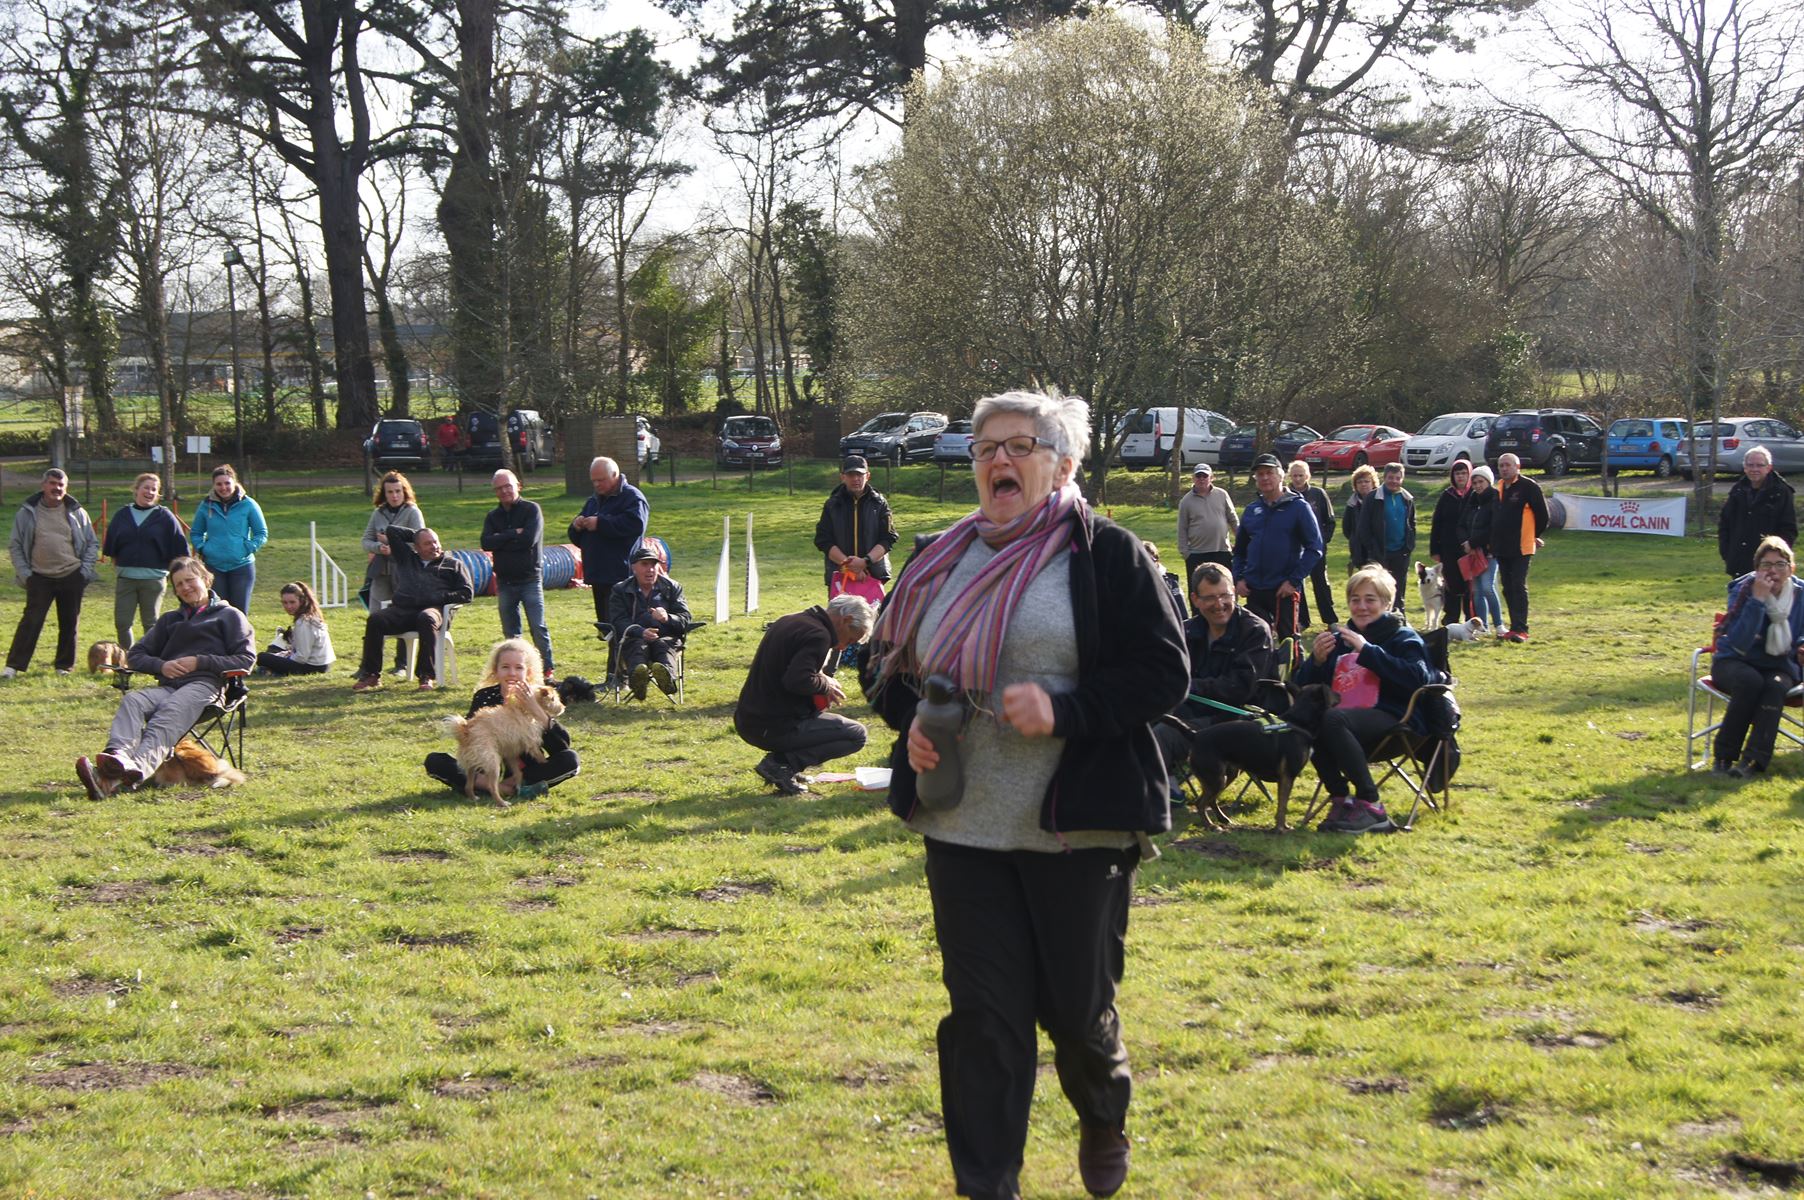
<point>605,630</point>
<point>1409,710</point>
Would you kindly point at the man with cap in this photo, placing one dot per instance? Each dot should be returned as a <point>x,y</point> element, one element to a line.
<point>1206,524</point>
<point>855,531</point>
<point>1278,545</point>
<point>608,529</point>
<point>650,617</point>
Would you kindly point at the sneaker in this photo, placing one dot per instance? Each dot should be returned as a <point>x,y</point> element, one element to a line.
<point>399,672</point>
<point>1102,1158</point>
<point>1515,636</point>
<point>98,787</point>
<point>779,777</point>
<point>65,670</point>
<point>426,685</point>
<point>8,673</point>
<point>1338,808</point>
<point>112,767</point>
<point>660,675</point>
<point>530,791</point>
<point>1747,768</point>
<point>367,683</point>
<point>1363,816</point>
<point>639,681</point>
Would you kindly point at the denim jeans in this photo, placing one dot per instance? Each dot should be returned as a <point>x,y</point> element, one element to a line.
<point>234,586</point>
<point>530,592</point>
<point>1484,597</point>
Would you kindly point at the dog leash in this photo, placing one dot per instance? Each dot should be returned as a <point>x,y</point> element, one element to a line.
<point>1267,722</point>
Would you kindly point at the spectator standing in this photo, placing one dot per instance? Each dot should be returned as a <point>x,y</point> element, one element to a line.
<point>608,529</point>
<point>142,539</point>
<point>1362,521</point>
<point>1398,510</point>
<point>650,617</point>
<point>1444,540</point>
<point>227,532</point>
<point>426,580</point>
<point>54,553</point>
<point>1206,523</point>
<point>1323,508</point>
<point>1516,528</point>
<point>395,505</point>
<point>782,708</point>
<point>1760,505</point>
<point>1277,548</point>
<point>514,535</point>
<point>856,530</point>
<point>1475,523</point>
<point>447,444</point>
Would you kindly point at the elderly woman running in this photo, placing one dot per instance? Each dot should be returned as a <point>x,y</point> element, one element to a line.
<point>1054,627</point>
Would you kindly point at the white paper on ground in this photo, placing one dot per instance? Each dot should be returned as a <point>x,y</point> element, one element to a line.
<point>872,779</point>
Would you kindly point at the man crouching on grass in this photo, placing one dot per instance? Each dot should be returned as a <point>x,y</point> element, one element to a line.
<point>783,706</point>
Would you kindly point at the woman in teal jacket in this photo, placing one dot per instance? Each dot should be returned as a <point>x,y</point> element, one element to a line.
<point>227,532</point>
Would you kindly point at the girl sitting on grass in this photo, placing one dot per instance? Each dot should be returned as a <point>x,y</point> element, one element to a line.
<point>514,668</point>
<point>304,648</point>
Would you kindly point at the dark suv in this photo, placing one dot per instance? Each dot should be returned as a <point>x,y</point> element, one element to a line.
<point>895,437</point>
<point>1552,440</point>
<point>397,442</point>
<point>532,438</point>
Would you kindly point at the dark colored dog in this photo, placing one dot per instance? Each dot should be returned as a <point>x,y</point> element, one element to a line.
<point>574,689</point>
<point>1221,752</point>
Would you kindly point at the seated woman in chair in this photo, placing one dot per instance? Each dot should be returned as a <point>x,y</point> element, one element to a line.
<point>514,668</point>
<point>1758,650</point>
<point>189,650</point>
<point>1374,663</point>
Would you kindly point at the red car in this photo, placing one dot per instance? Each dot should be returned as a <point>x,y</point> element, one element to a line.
<point>1353,446</point>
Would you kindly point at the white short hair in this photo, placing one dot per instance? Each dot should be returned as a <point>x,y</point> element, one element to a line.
<point>1062,421</point>
<point>856,612</point>
<point>611,465</point>
<point>1762,451</point>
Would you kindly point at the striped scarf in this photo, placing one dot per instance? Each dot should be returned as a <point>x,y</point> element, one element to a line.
<point>968,642</point>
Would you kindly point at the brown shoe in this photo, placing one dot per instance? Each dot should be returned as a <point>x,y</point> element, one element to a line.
<point>367,683</point>
<point>1102,1159</point>
<point>98,788</point>
<point>115,769</point>
<point>426,685</point>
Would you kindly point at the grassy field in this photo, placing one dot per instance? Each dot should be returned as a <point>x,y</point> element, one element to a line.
<point>660,980</point>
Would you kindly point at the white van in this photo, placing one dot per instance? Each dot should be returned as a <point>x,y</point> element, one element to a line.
<point>1447,439</point>
<point>1151,432</point>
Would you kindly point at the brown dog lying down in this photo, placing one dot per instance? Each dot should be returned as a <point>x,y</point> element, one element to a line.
<point>191,764</point>
<point>104,656</point>
<point>498,736</point>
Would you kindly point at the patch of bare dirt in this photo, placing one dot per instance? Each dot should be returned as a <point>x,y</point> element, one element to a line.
<point>1721,1127</point>
<point>327,1112</point>
<point>102,1076</point>
<point>1643,848</point>
<point>530,905</point>
<point>471,1087</point>
<point>421,941</point>
<point>83,986</point>
<point>119,891</point>
<point>692,978</point>
<point>1649,922</point>
<point>802,849</point>
<point>539,883</point>
<point>289,934</point>
<point>210,1194</point>
<point>735,890</point>
<point>1221,849</point>
<point>203,849</point>
<point>866,1077</point>
<point>1696,1001</point>
<point>595,1062</point>
<point>1583,1039</point>
<point>415,855</point>
<point>672,934</point>
<point>14,1028</point>
<point>653,1028</point>
<point>734,1087</point>
<point>1387,1085</point>
<point>604,797</point>
<point>1151,900</point>
<point>457,1021</point>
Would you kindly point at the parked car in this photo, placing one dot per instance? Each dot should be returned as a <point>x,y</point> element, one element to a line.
<point>1646,443</point>
<point>650,446</point>
<point>533,442</point>
<point>1152,432</point>
<point>1353,446</point>
<point>953,446</point>
<point>1237,449</point>
<point>1447,439</point>
<point>398,442</point>
<point>895,437</point>
<point>749,442</point>
<point>1734,436</point>
<point>1553,440</point>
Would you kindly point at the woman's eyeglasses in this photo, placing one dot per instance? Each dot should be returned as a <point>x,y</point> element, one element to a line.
<point>1015,447</point>
<point>1773,564</point>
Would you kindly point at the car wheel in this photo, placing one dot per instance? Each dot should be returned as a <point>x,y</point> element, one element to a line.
<point>1556,464</point>
<point>1360,460</point>
<point>1663,468</point>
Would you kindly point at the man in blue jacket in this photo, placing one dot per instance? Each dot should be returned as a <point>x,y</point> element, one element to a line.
<point>608,529</point>
<point>1277,546</point>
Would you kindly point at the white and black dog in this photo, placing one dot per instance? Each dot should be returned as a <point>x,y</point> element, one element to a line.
<point>1428,581</point>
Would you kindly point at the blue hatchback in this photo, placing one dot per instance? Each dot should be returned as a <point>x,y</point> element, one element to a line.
<point>1237,447</point>
<point>1646,443</point>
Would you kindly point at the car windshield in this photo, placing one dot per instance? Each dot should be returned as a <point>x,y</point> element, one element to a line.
<point>1446,427</point>
<point>1351,433</point>
<point>1516,421</point>
<point>748,427</point>
<point>887,423</point>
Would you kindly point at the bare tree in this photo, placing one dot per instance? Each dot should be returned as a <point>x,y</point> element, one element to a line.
<point>385,215</point>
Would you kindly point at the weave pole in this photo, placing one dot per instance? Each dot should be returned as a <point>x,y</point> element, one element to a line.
<point>723,576</point>
<point>751,569</point>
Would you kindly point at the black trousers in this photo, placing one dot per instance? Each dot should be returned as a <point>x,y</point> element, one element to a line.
<point>554,770</point>
<point>1286,617</point>
<point>1222,558</point>
<point>394,620</point>
<point>809,742</point>
<point>1513,572</point>
<point>1324,594</point>
<point>1455,593</point>
<point>281,664</point>
<point>1342,749</point>
<point>41,591</point>
<point>1757,700</point>
<point>636,649</point>
<point>1398,565</point>
<point>1026,938</point>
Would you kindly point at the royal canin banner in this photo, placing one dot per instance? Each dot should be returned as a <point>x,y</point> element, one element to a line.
<point>1601,514</point>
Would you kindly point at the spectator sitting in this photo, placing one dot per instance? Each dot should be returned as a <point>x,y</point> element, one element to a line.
<point>305,647</point>
<point>1375,662</point>
<point>189,650</point>
<point>1758,650</point>
<point>650,617</point>
<point>513,669</point>
<point>1230,652</point>
<point>782,707</point>
<point>426,580</point>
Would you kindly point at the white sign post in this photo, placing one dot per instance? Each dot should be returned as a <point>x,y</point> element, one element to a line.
<point>722,577</point>
<point>751,569</point>
<point>1604,514</point>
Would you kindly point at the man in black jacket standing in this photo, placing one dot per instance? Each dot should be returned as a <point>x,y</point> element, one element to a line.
<point>855,530</point>
<point>1759,505</point>
<point>514,535</point>
<point>426,580</point>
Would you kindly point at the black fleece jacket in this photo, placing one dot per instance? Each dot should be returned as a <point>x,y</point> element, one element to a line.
<point>1132,668</point>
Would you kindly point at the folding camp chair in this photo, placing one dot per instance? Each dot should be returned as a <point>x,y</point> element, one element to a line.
<point>444,651</point>
<point>1791,717</point>
<point>615,681</point>
<point>220,726</point>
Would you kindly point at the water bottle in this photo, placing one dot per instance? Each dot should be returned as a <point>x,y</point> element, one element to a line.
<point>941,715</point>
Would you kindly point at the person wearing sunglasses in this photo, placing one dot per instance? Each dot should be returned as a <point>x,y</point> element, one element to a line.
<point>1759,648</point>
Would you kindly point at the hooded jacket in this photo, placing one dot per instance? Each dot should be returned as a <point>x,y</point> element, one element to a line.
<point>228,533</point>
<point>81,532</point>
<point>1750,514</point>
<point>1443,529</point>
<point>874,527</point>
<point>216,634</point>
<point>1278,541</point>
<point>1363,524</point>
<point>1476,517</point>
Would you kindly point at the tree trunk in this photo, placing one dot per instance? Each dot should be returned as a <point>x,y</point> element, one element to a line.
<point>310,352</point>
<point>341,231</point>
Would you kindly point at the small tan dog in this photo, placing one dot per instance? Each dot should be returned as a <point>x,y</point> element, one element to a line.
<point>498,736</point>
<point>104,656</point>
<point>192,764</point>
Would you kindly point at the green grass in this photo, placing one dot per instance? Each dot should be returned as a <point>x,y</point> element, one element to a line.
<point>660,980</point>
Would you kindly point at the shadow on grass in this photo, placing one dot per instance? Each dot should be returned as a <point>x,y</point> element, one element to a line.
<point>1647,798</point>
